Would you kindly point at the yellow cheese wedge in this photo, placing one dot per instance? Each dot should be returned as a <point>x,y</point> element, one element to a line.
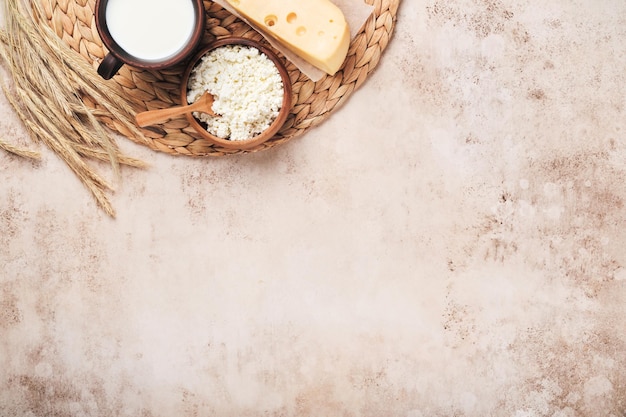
<point>315,30</point>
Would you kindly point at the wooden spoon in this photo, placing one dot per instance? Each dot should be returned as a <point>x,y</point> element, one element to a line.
<point>151,117</point>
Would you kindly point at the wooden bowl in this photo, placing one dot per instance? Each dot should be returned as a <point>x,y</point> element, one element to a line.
<point>268,133</point>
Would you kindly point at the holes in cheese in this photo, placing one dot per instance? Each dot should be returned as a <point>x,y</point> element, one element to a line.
<point>270,20</point>
<point>315,30</point>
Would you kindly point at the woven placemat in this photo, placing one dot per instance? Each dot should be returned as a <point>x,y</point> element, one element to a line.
<point>313,102</point>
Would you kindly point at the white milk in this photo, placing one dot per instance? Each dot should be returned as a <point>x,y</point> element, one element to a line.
<point>151,30</point>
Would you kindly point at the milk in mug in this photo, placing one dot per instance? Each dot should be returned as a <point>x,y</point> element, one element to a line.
<point>151,30</point>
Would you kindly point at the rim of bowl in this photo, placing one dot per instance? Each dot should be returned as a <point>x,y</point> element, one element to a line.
<point>278,122</point>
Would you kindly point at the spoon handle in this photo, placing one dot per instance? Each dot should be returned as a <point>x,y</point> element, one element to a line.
<point>152,117</point>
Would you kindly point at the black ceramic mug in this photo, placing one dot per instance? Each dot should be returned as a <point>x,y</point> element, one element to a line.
<point>148,34</point>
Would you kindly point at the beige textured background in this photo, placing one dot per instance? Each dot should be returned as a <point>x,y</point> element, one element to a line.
<point>450,243</point>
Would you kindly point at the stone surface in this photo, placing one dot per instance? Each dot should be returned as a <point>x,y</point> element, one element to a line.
<point>450,243</point>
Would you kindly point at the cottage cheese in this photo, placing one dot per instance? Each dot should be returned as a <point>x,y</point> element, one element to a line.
<point>247,88</point>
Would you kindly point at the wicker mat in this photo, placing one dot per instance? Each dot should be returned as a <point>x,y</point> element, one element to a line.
<point>313,102</point>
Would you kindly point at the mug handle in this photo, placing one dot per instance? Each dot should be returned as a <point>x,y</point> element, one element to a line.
<point>109,66</point>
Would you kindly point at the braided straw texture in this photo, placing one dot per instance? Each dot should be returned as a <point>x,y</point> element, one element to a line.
<point>313,102</point>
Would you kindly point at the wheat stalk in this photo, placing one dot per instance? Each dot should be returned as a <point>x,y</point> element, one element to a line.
<point>49,82</point>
